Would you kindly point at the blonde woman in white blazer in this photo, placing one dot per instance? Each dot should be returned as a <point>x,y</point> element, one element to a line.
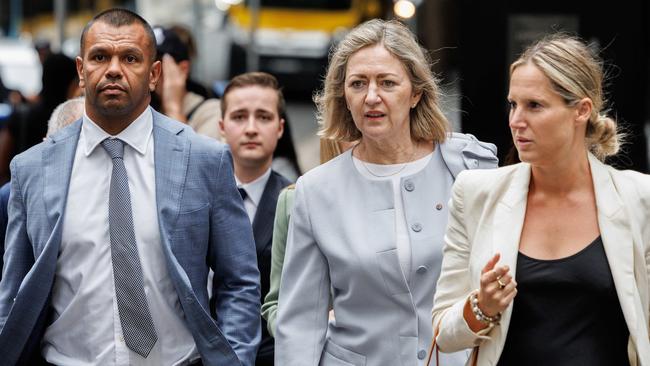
<point>546,262</point>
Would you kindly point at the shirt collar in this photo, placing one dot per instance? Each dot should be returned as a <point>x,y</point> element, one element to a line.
<point>136,135</point>
<point>255,189</point>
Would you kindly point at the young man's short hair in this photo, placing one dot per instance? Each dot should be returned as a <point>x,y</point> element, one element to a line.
<point>257,78</point>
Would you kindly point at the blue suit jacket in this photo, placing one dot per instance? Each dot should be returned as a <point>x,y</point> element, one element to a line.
<point>4,201</point>
<point>202,224</point>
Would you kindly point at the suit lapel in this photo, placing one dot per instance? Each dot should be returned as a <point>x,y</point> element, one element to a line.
<point>171,154</point>
<point>265,214</point>
<point>616,234</point>
<point>58,158</point>
<point>509,218</point>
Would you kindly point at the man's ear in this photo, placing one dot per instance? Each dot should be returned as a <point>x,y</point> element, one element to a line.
<point>155,72</point>
<point>281,128</point>
<point>80,71</point>
<point>221,127</point>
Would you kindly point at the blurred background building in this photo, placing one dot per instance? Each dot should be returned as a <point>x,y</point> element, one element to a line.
<point>473,42</point>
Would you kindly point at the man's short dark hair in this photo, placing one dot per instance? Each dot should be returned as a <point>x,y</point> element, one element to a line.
<point>118,17</point>
<point>261,79</point>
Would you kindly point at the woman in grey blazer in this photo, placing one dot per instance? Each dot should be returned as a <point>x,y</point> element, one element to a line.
<point>366,231</point>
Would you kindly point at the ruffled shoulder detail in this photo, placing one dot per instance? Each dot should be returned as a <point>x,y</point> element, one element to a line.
<point>463,151</point>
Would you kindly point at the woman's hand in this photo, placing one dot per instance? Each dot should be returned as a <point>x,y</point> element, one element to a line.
<point>173,88</point>
<point>498,288</point>
<point>497,291</point>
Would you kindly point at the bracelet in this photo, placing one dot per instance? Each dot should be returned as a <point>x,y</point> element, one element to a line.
<point>480,316</point>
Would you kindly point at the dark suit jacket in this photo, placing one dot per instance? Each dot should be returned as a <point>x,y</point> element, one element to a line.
<point>263,233</point>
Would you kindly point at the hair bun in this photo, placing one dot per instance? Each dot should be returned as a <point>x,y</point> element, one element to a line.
<point>604,140</point>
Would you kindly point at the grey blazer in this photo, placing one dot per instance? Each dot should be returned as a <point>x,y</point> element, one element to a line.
<point>202,223</point>
<point>342,241</point>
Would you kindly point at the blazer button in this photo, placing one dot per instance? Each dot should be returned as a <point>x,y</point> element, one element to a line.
<point>422,354</point>
<point>416,227</point>
<point>439,206</point>
<point>409,186</point>
<point>421,270</point>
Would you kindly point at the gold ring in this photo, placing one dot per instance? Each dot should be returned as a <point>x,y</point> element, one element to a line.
<point>501,284</point>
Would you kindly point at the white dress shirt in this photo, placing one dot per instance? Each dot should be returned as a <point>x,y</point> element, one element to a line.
<point>394,173</point>
<point>254,191</point>
<point>86,329</point>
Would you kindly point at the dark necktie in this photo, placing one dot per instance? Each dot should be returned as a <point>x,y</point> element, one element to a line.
<point>137,325</point>
<point>243,193</point>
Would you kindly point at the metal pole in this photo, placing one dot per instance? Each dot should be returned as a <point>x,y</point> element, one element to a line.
<point>59,16</point>
<point>15,17</point>
<point>252,58</point>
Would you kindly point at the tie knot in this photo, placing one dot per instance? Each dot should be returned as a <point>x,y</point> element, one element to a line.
<point>242,192</point>
<point>114,148</point>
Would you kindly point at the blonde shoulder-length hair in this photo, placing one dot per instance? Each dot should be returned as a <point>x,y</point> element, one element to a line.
<point>427,121</point>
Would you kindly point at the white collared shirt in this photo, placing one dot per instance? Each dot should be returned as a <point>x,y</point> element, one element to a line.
<point>86,329</point>
<point>254,191</point>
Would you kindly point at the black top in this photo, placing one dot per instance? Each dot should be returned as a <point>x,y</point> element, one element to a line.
<point>566,312</point>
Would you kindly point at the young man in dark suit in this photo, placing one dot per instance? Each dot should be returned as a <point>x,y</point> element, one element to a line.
<point>252,104</point>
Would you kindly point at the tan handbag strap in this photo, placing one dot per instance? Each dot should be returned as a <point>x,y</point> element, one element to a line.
<point>433,345</point>
<point>475,355</point>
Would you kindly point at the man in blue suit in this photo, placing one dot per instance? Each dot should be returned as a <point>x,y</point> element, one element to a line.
<point>115,222</point>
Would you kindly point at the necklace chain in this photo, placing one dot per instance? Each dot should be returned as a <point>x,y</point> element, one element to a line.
<point>365,165</point>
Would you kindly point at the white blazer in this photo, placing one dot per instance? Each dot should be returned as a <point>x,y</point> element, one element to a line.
<point>486,215</point>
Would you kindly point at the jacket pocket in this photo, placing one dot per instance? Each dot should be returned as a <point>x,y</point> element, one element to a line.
<point>391,272</point>
<point>335,355</point>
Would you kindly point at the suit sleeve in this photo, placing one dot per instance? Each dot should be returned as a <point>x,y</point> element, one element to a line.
<point>236,285</point>
<point>454,283</point>
<point>18,256</point>
<point>4,202</point>
<point>304,291</point>
<point>278,247</point>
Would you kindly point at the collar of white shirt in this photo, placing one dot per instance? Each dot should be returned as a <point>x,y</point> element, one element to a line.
<point>136,135</point>
<point>255,189</point>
